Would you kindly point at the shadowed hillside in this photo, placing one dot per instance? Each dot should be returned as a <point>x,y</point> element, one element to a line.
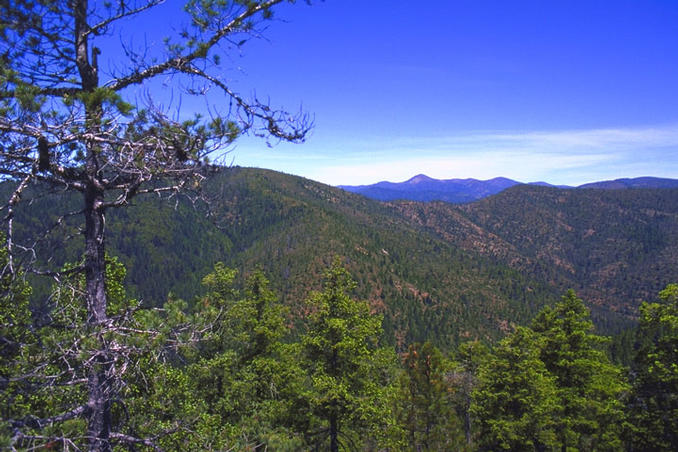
<point>437,271</point>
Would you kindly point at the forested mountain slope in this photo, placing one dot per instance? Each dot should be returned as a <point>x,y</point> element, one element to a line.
<point>426,287</point>
<point>436,271</point>
<point>615,247</point>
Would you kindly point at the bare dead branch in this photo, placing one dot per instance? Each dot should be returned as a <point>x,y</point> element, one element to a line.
<point>39,424</point>
<point>13,200</point>
<point>98,28</point>
<point>132,440</point>
<point>177,63</point>
<point>272,119</point>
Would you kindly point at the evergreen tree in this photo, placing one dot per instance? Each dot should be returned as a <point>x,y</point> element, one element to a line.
<point>248,377</point>
<point>654,399</point>
<point>589,387</point>
<point>47,394</point>
<point>464,376</point>
<point>349,388</point>
<point>425,404</point>
<point>515,403</point>
<point>70,122</point>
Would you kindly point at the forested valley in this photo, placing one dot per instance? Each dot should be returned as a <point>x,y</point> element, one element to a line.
<point>155,298</point>
<point>399,326</point>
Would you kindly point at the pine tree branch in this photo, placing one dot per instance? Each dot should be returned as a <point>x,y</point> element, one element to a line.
<point>133,440</point>
<point>98,28</point>
<point>39,424</point>
<point>179,62</point>
<point>271,118</point>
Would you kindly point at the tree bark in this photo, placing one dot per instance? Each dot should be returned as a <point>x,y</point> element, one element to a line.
<point>334,433</point>
<point>101,374</point>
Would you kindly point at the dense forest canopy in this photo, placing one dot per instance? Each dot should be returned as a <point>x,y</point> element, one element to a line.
<point>454,272</point>
<point>70,122</point>
<point>130,323</point>
<point>226,370</point>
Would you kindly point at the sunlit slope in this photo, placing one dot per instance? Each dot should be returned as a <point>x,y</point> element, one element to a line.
<point>615,247</point>
<point>425,286</point>
<point>435,270</point>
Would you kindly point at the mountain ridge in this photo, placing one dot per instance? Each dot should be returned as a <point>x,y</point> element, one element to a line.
<point>424,188</point>
<point>637,182</point>
<point>436,271</point>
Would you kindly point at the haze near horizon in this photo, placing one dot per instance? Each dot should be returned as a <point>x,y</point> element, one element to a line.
<point>562,92</point>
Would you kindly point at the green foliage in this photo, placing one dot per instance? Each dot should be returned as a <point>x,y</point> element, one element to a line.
<point>160,402</point>
<point>246,375</point>
<point>654,398</point>
<point>551,385</point>
<point>47,375</point>
<point>47,356</point>
<point>216,377</point>
<point>516,401</point>
<point>425,401</point>
<point>18,343</point>
<point>349,385</point>
<point>621,347</point>
<point>589,386</point>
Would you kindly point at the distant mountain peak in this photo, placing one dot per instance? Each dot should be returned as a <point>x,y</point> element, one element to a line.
<point>419,178</point>
<point>424,188</point>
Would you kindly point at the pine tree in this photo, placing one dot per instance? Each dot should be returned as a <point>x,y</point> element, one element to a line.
<point>426,410</point>
<point>348,378</point>
<point>589,386</point>
<point>247,375</point>
<point>47,388</point>
<point>70,121</point>
<point>515,402</point>
<point>654,398</point>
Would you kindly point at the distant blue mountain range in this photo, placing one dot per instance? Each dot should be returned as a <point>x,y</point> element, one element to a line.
<point>638,182</point>
<point>424,188</point>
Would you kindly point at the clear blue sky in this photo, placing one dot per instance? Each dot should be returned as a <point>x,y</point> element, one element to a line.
<point>562,91</point>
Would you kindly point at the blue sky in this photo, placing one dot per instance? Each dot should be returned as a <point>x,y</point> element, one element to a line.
<point>562,91</point>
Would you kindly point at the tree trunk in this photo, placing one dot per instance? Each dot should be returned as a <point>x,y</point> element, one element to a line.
<point>467,420</point>
<point>334,433</point>
<point>101,373</point>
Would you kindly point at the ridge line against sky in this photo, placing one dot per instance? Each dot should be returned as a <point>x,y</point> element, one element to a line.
<point>567,157</point>
<point>566,92</point>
